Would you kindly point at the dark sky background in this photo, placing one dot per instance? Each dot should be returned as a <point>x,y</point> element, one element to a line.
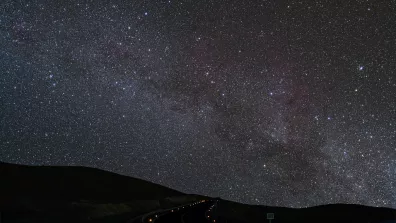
<point>288,103</point>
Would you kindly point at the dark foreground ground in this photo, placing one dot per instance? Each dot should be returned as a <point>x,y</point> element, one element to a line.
<point>79,194</point>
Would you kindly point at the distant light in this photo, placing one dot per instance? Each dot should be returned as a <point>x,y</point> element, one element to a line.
<point>150,220</point>
<point>145,13</point>
<point>361,68</point>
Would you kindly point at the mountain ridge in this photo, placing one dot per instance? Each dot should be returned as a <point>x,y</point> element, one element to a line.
<point>74,183</point>
<point>80,194</point>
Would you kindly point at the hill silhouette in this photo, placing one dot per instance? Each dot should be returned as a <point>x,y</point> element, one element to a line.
<point>231,212</point>
<point>78,194</point>
<point>81,194</point>
<point>75,184</point>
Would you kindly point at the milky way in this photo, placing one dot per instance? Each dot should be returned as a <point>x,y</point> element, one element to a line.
<point>261,102</point>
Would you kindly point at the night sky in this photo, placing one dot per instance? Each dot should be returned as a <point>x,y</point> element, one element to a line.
<point>287,103</point>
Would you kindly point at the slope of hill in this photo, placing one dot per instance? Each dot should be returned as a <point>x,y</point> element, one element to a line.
<point>76,184</point>
<point>77,192</point>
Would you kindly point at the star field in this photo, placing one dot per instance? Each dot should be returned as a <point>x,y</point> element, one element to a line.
<point>286,103</point>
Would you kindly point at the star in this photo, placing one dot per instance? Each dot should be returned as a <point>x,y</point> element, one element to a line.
<point>194,94</point>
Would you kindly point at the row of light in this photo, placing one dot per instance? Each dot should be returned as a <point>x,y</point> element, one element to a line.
<point>156,216</point>
<point>214,220</point>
